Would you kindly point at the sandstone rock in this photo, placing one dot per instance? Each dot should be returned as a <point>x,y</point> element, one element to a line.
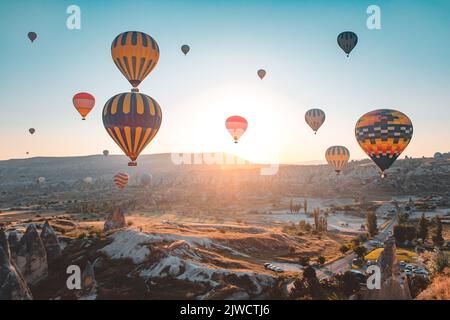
<point>115,220</point>
<point>13,241</point>
<point>4,244</point>
<point>88,283</point>
<point>393,287</point>
<point>12,284</point>
<point>51,243</point>
<point>31,256</point>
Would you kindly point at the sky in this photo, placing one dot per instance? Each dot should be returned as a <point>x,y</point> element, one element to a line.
<point>404,66</point>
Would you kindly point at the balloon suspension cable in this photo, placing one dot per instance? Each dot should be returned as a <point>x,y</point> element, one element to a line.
<point>132,164</point>
<point>134,89</point>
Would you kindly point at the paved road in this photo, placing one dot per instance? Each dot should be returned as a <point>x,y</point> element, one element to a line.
<point>344,264</point>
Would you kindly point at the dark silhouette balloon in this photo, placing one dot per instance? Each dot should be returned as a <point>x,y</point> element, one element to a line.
<point>261,73</point>
<point>105,153</point>
<point>185,49</point>
<point>347,41</point>
<point>32,36</point>
<point>32,130</point>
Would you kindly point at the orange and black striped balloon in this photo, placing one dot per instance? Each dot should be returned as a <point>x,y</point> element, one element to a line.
<point>337,157</point>
<point>135,54</point>
<point>121,180</point>
<point>132,119</point>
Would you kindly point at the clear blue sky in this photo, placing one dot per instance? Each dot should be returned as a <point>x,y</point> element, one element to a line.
<point>403,66</point>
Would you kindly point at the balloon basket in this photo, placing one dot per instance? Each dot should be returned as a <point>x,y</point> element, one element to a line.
<point>83,118</point>
<point>132,164</point>
<point>235,142</point>
<point>134,89</point>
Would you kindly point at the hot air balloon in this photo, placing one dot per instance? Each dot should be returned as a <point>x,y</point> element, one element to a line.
<point>145,179</point>
<point>236,126</point>
<point>88,180</point>
<point>132,119</point>
<point>105,153</point>
<point>261,73</point>
<point>32,130</point>
<point>337,157</point>
<point>40,180</point>
<point>347,41</point>
<point>32,36</point>
<point>83,102</point>
<point>383,134</point>
<point>185,49</point>
<point>135,55</point>
<point>121,180</point>
<point>315,118</point>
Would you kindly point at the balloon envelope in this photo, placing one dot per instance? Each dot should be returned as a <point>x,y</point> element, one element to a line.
<point>32,36</point>
<point>315,118</point>
<point>236,126</point>
<point>105,153</point>
<point>347,41</point>
<point>83,102</point>
<point>261,73</point>
<point>135,55</point>
<point>337,157</point>
<point>383,134</point>
<point>88,180</point>
<point>185,49</point>
<point>132,120</point>
<point>121,180</point>
<point>146,179</point>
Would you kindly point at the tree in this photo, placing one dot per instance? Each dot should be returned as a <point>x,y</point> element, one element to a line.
<point>371,222</point>
<point>438,240</point>
<point>360,251</point>
<point>303,260</point>
<point>343,249</point>
<point>321,260</point>
<point>439,261</point>
<point>403,232</point>
<point>422,229</point>
<point>348,283</point>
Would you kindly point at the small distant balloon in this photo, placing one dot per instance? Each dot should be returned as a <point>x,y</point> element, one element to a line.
<point>32,130</point>
<point>105,153</point>
<point>121,180</point>
<point>261,73</point>
<point>88,180</point>
<point>315,118</point>
<point>32,36</point>
<point>84,102</point>
<point>40,180</point>
<point>347,41</point>
<point>337,157</point>
<point>185,49</point>
<point>146,179</point>
<point>236,126</point>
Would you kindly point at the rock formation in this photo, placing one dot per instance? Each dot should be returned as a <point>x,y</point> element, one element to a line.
<point>31,256</point>
<point>51,243</point>
<point>13,241</point>
<point>88,283</point>
<point>12,284</point>
<point>393,287</point>
<point>115,220</point>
